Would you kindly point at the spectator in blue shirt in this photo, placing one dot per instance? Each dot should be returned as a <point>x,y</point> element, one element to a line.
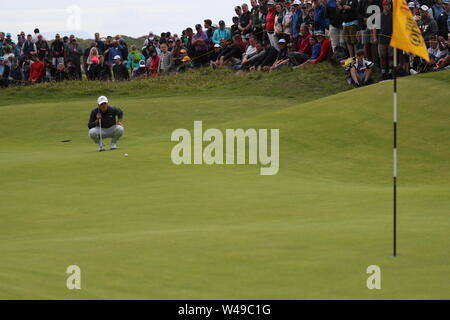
<point>221,33</point>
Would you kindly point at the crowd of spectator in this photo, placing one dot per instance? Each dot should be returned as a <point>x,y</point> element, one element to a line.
<point>264,35</point>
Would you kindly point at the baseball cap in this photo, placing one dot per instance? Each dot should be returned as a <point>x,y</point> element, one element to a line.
<point>183,51</point>
<point>424,8</point>
<point>282,41</point>
<point>8,34</point>
<point>102,100</point>
<point>186,59</point>
<point>221,23</point>
<point>411,5</point>
<point>321,33</point>
<point>386,2</point>
<point>142,63</point>
<point>297,2</point>
<point>270,2</point>
<point>217,45</point>
<point>117,57</point>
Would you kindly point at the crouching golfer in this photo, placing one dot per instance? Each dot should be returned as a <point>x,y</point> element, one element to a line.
<point>102,124</point>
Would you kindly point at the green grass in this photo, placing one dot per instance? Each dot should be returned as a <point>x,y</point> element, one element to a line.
<point>143,228</point>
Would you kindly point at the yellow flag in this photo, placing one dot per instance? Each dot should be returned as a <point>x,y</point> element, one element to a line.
<point>406,35</point>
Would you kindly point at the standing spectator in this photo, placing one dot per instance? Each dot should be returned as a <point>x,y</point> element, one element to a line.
<point>235,26</point>
<point>221,33</point>
<point>437,8</point>
<point>200,41</point>
<point>26,66</point>
<point>238,11</point>
<point>245,20</point>
<point>270,23</point>
<point>383,38</point>
<point>42,47</point>
<point>320,20</point>
<point>28,47</point>
<point>427,24</point>
<point>153,64</point>
<point>74,53</point>
<point>443,21</point>
<point>87,56</point>
<point>165,61</point>
<point>4,73</point>
<point>134,58</point>
<point>296,20</point>
<point>92,63</point>
<point>256,21</point>
<point>36,70</point>
<point>57,51</point>
<point>366,32</point>
<point>115,50</point>
<point>120,71</point>
<point>349,14</point>
<point>209,28</point>
<point>99,44</point>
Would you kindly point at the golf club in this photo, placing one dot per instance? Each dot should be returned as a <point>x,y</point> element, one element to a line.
<point>101,138</point>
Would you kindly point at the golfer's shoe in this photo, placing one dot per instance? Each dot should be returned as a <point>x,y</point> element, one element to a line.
<point>113,146</point>
<point>101,148</point>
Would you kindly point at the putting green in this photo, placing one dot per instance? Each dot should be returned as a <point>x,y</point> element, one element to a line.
<point>140,227</point>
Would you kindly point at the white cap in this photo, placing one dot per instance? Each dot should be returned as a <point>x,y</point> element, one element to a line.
<point>297,2</point>
<point>102,99</point>
<point>411,5</point>
<point>282,41</point>
<point>117,57</point>
<point>217,45</point>
<point>424,8</point>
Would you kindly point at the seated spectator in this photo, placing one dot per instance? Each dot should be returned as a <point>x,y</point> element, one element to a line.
<point>282,58</point>
<point>248,60</point>
<point>15,74</point>
<point>315,49</point>
<point>267,60</point>
<point>36,70</point>
<point>361,69</point>
<point>61,73</point>
<point>103,70</point>
<point>305,45</point>
<point>436,51</point>
<point>72,70</point>
<point>120,71</point>
<point>232,53</point>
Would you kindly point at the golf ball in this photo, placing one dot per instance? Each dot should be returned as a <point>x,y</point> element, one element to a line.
<point>126,154</point>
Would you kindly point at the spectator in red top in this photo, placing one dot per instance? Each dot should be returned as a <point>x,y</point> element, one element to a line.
<point>305,46</point>
<point>270,23</point>
<point>153,64</point>
<point>36,70</point>
<point>325,48</point>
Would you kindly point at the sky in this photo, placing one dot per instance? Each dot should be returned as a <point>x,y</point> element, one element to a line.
<point>135,18</point>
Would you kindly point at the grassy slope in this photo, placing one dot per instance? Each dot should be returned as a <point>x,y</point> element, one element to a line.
<point>140,227</point>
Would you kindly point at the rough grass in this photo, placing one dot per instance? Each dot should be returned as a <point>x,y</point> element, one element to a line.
<point>302,85</point>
